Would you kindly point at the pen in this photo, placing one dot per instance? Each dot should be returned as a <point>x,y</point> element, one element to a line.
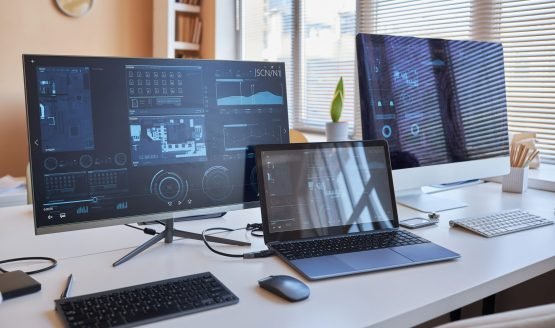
<point>65,293</point>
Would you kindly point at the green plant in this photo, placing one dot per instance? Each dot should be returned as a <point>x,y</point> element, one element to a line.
<point>337,103</point>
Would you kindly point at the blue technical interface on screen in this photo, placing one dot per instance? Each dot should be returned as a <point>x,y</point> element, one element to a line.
<point>114,137</point>
<point>435,101</point>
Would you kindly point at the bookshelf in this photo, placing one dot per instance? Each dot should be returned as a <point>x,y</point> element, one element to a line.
<point>178,29</point>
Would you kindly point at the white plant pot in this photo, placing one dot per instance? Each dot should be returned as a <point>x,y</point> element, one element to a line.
<point>337,131</point>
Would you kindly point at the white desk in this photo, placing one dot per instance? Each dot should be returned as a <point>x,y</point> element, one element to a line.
<point>402,297</point>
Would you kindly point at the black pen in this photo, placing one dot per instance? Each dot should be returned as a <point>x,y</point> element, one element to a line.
<point>65,293</point>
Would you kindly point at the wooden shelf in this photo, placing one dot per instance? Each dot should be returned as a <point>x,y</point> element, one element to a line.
<point>188,46</point>
<point>179,29</point>
<point>185,8</point>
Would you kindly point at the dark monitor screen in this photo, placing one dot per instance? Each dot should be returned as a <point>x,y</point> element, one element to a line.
<point>435,101</point>
<point>328,188</point>
<point>124,138</point>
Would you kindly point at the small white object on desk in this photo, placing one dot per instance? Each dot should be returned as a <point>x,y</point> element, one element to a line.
<point>13,191</point>
<point>516,180</point>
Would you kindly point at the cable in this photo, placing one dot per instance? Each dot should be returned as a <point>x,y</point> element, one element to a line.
<point>31,258</point>
<point>212,249</point>
<point>148,231</point>
<point>251,255</point>
<point>255,229</point>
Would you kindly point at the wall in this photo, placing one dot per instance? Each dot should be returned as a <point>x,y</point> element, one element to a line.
<point>111,28</point>
<point>207,14</point>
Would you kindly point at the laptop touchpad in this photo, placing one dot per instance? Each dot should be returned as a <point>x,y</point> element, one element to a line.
<point>378,258</point>
<point>322,266</point>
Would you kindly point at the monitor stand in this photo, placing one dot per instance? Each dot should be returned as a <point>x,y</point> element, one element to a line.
<point>168,234</point>
<point>423,202</point>
<point>190,218</point>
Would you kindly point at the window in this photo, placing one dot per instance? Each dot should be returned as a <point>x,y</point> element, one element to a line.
<point>527,31</point>
<point>316,40</point>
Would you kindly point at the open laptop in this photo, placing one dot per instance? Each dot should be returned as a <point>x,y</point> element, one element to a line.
<point>328,209</point>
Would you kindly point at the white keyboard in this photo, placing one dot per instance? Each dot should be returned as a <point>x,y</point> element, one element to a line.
<point>501,223</point>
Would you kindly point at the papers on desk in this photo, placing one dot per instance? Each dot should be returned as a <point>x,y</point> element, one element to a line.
<point>13,191</point>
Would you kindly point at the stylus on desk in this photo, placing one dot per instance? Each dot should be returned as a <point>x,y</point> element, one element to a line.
<point>65,293</point>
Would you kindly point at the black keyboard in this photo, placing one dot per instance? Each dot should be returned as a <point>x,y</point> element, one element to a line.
<point>346,244</point>
<point>150,302</point>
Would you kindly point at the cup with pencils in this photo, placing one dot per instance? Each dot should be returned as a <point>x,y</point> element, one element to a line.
<point>520,158</point>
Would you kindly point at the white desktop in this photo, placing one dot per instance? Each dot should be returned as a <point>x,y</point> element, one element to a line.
<point>401,298</point>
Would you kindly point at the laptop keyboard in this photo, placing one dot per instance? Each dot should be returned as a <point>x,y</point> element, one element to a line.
<point>346,244</point>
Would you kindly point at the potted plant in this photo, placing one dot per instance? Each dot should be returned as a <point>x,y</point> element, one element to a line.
<point>337,130</point>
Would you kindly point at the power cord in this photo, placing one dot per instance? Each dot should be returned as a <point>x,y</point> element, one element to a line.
<point>148,231</point>
<point>254,229</point>
<point>52,261</point>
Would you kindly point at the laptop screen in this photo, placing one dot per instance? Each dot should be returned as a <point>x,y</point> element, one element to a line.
<point>321,189</point>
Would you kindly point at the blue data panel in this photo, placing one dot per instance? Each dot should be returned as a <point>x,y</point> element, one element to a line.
<point>65,109</point>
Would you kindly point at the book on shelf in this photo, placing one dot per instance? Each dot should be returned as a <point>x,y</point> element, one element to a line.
<point>197,31</point>
<point>188,29</point>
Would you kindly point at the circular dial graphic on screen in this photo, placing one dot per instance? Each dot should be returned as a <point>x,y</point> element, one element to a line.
<point>50,163</point>
<point>216,184</point>
<point>86,161</point>
<point>120,159</point>
<point>169,187</point>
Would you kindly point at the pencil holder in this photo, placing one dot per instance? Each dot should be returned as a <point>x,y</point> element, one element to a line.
<point>516,180</point>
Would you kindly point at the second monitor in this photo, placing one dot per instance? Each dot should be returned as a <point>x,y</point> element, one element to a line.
<point>441,106</point>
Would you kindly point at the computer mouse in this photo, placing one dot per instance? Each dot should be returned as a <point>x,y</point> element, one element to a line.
<point>287,287</point>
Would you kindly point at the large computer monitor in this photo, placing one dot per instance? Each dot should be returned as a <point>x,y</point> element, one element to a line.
<point>441,106</point>
<point>121,140</point>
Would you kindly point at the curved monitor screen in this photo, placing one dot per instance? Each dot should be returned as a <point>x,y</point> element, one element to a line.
<point>435,101</point>
<point>120,137</point>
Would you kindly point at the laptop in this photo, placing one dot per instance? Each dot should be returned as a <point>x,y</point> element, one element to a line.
<point>328,209</point>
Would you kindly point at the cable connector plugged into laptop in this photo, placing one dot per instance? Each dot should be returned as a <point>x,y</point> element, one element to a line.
<point>256,255</point>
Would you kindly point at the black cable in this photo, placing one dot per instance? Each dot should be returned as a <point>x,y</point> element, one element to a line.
<point>31,258</point>
<point>131,226</point>
<point>255,229</point>
<point>148,231</point>
<point>251,255</point>
<point>212,249</point>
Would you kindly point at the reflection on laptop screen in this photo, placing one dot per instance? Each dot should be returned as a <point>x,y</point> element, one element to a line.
<point>327,186</point>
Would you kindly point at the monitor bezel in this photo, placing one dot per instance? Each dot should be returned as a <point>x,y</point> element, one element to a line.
<point>410,180</point>
<point>329,231</point>
<point>33,135</point>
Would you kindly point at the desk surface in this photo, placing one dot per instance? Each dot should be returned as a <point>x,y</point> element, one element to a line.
<point>402,297</point>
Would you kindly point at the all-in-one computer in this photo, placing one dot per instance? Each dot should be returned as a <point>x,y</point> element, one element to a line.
<point>441,106</point>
